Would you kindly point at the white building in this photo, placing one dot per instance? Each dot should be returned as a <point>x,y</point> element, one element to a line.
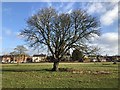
<point>39,58</point>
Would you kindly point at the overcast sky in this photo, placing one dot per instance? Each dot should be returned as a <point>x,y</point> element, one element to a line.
<point>15,14</point>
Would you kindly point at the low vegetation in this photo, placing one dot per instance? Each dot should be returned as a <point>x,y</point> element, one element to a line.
<point>70,75</point>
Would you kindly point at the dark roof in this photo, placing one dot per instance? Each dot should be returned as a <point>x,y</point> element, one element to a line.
<point>9,55</point>
<point>39,55</point>
<point>6,55</point>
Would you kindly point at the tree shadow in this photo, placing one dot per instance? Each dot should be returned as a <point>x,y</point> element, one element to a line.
<point>20,70</point>
<point>37,70</point>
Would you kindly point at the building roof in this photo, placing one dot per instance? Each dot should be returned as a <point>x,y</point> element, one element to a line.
<point>6,56</point>
<point>10,55</point>
<point>39,55</point>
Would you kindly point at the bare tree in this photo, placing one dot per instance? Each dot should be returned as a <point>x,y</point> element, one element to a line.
<point>13,53</point>
<point>60,32</point>
<point>20,51</point>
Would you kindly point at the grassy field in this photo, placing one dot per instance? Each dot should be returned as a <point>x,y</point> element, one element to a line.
<point>84,75</point>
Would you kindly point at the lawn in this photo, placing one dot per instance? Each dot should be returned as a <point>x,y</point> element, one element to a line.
<point>38,75</point>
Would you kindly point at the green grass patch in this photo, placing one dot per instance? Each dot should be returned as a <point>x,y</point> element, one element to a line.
<point>38,75</point>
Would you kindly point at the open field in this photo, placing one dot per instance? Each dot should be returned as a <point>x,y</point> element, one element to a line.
<point>38,75</point>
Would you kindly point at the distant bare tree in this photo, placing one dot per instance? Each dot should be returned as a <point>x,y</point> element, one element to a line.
<point>60,32</point>
<point>20,50</point>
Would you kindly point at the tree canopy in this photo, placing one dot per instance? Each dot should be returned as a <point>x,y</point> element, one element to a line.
<point>77,55</point>
<point>20,49</point>
<point>60,31</point>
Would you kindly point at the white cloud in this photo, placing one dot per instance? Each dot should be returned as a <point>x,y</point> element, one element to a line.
<point>110,16</point>
<point>96,8</point>
<point>68,8</point>
<point>61,5</point>
<point>10,33</point>
<point>69,11</point>
<point>108,43</point>
<point>49,4</point>
<point>112,36</point>
<point>108,11</point>
<point>115,1</point>
<point>7,31</point>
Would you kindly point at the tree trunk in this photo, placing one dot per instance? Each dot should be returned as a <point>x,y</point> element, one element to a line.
<point>55,66</point>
